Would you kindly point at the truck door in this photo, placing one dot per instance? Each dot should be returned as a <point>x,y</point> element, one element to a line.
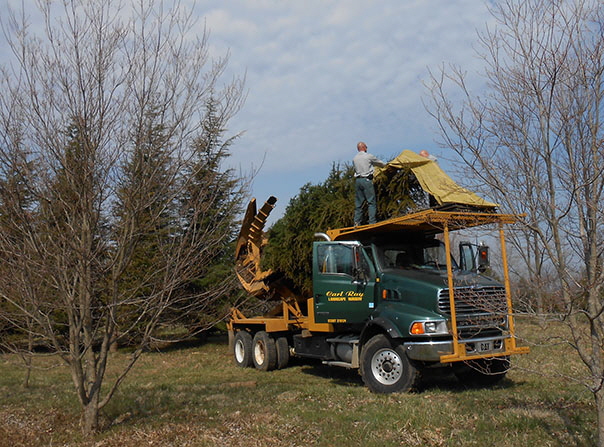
<point>343,282</point>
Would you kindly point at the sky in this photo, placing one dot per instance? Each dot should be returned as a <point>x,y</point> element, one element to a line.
<point>323,75</point>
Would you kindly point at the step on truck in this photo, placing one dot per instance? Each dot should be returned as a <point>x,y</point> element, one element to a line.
<point>389,299</point>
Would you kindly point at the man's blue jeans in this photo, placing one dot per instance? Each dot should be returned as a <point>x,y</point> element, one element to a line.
<point>364,191</point>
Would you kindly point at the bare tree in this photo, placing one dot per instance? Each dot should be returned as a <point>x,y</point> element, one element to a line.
<point>101,116</point>
<point>536,142</point>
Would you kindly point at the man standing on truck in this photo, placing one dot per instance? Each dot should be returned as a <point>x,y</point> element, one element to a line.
<point>363,185</point>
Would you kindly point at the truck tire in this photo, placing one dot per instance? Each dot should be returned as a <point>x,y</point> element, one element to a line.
<point>385,367</point>
<point>482,372</point>
<point>282,352</point>
<point>264,353</point>
<point>242,349</point>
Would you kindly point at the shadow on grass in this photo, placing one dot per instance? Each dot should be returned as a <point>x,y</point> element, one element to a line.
<point>217,337</point>
<point>431,379</point>
<point>336,375</point>
<point>444,379</point>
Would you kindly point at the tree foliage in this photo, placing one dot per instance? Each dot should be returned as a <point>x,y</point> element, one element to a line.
<point>317,208</point>
<point>114,199</point>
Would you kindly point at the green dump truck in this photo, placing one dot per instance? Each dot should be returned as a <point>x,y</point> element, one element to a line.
<point>390,299</point>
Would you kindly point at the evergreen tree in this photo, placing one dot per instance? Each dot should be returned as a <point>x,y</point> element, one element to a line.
<point>17,212</point>
<point>70,228</point>
<point>195,204</point>
<point>328,205</point>
<point>209,206</point>
<point>398,192</point>
<point>145,209</point>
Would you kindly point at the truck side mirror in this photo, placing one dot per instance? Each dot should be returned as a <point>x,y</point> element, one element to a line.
<point>483,258</point>
<point>471,259</point>
<point>466,257</point>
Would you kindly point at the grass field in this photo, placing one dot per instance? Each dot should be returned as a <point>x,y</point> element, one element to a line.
<point>195,396</point>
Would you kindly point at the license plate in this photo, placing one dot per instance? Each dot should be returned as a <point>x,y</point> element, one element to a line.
<point>485,346</point>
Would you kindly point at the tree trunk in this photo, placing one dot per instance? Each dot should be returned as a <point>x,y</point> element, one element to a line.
<point>599,396</point>
<point>90,415</point>
<point>27,357</point>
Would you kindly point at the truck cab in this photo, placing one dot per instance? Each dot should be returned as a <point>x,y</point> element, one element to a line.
<point>404,283</point>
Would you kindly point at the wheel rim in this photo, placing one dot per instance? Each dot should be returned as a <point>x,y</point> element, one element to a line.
<point>259,353</point>
<point>239,351</point>
<point>386,366</point>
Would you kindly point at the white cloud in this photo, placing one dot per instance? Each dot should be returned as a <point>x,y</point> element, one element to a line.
<point>222,22</point>
<point>322,75</point>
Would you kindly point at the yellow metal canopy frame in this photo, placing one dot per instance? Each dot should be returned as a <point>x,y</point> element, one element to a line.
<point>427,220</point>
<point>444,222</point>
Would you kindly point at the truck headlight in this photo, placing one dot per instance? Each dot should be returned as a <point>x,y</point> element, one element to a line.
<point>432,327</point>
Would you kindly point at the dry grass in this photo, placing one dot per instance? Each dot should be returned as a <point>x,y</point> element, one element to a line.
<point>195,396</point>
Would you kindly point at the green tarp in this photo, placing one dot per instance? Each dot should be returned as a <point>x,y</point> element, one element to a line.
<point>434,181</point>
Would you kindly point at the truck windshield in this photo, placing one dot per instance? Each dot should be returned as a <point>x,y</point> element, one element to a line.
<point>422,254</point>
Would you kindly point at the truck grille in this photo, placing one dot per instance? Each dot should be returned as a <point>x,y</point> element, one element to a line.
<point>477,309</point>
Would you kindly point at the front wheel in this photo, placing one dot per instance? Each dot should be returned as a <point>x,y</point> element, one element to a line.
<point>385,367</point>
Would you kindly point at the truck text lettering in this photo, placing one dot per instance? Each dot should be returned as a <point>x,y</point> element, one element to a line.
<point>344,296</point>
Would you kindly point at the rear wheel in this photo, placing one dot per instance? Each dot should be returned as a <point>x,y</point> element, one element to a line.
<point>282,352</point>
<point>242,349</point>
<point>264,351</point>
<point>385,367</point>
